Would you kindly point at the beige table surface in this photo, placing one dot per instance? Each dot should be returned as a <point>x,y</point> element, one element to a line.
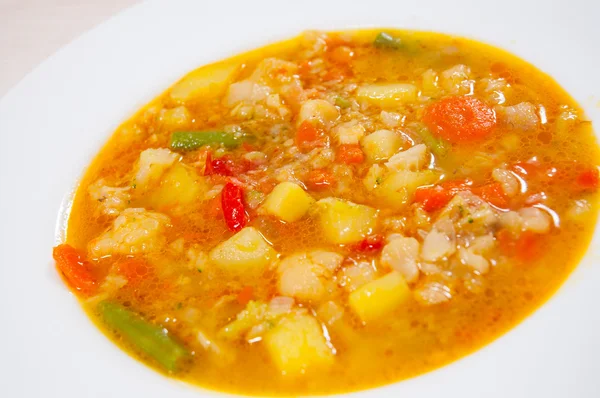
<point>31,30</point>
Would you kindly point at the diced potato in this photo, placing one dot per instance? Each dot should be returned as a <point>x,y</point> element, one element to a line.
<point>297,345</point>
<point>318,110</point>
<point>379,297</point>
<point>387,95</point>
<point>304,275</point>
<point>178,186</point>
<point>151,165</point>
<point>346,222</point>
<point>287,201</point>
<point>397,189</point>
<point>245,252</point>
<point>381,145</point>
<point>413,159</point>
<point>209,80</point>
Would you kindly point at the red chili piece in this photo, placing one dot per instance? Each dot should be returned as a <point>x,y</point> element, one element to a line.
<point>234,211</point>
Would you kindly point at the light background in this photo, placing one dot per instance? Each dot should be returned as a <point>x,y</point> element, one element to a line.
<point>31,30</point>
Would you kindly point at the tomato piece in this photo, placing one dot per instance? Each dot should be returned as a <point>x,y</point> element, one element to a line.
<point>223,166</point>
<point>588,179</point>
<point>234,210</point>
<point>370,244</point>
<point>460,119</point>
<point>319,179</point>
<point>308,136</point>
<point>493,194</point>
<point>134,269</point>
<point>245,295</point>
<point>71,263</point>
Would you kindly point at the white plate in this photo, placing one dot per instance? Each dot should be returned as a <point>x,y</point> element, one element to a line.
<point>58,116</point>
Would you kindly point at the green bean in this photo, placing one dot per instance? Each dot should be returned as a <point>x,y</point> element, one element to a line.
<point>188,140</point>
<point>150,339</point>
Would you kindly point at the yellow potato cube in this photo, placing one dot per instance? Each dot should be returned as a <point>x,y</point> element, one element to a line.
<point>387,95</point>
<point>379,297</point>
<point>397,189</point>
<point>287,201</point>
<point>209,80</point>
<point>297,345</point>
<point>180,185</point>
<point>346,222</point>
<point>381,145</point>
<point>245,252</point>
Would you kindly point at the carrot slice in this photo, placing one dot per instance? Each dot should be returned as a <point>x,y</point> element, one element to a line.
<point>71,263</point>
<point>460,119</point>
<point>350,154</point>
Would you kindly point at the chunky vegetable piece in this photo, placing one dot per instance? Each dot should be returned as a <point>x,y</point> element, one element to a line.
<point>379,298</point>
<point>297,345</point>
<point>460,119</point>
<point>287,201</point>
<point>332,213</point>
<point>152,340</point>
<point>245,252</point>
<point>346,222</point>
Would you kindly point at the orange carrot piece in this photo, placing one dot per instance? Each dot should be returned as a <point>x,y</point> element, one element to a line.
<point>350,154</point>
<point>460,119</point>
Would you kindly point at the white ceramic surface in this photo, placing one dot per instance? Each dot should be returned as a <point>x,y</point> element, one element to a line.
<point>58,116</point>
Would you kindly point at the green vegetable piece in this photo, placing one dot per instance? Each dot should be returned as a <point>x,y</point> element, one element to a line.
<point>438,146</point>
<point>385,40</point>
<point>151,339</point>
<point>188,140</point>
<point>342,102</point>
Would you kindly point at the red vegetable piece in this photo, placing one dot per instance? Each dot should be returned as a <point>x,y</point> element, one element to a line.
<point>234,210</point>
<point>370,244</point>
<point>71,263</point>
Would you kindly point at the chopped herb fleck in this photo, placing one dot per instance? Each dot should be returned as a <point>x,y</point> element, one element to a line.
<point>378,180</point>
<point>199,270</point>
<point>471,220</point>
<point>179,306</point>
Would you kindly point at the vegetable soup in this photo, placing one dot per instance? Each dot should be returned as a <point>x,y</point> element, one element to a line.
<point>334,212</point>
